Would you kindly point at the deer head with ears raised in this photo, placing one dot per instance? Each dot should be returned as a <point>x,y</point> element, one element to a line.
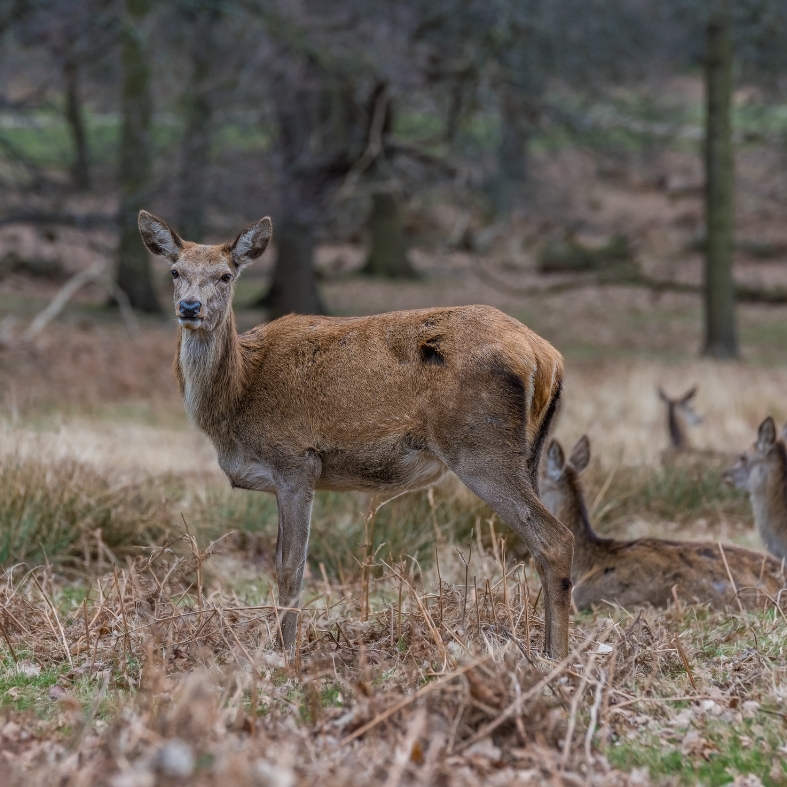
<point>762,471</point>
<point>204,276</point>
<point>680,416</point>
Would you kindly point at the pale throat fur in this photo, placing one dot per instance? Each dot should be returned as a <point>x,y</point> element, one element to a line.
<point>211,375</point>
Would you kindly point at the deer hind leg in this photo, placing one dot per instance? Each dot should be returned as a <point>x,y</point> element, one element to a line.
<point>295,506</point>
<point>549,541</point>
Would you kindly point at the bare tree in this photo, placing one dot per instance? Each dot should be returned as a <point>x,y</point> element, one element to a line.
<point>721,339</point>
<point>317,89</point>
<point>311,124</point>
<point>80,167</point>
<point>134,274</point>
<point>387,254</point>
<point>76,35</point>
<point>204,23</point>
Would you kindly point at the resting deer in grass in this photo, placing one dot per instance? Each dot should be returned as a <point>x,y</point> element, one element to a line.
<point>645,570</point>
<point>680,417</point>
<point>762,472</point>
<point>383,403</point>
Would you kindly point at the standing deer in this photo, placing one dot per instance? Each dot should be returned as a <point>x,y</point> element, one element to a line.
<point>382,403</point>
<point>680,416</point>
<point>644,571</point>
<point>762,472</point>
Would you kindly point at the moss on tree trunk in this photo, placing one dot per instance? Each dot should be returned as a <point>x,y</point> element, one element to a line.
<point>720,332</point>
<point>388,246</point>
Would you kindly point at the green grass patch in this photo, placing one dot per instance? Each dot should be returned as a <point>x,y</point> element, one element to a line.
<point>751,749</point>
<point>22,691</point>
<point>680,491</point>
<point>405,526</point>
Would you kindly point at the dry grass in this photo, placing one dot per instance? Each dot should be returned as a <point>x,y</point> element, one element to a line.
<point>158,676</point>
<point>158,667</point>
<point>402,675</point>
<point>615,403</point>
<point>163,670</point>
<point>62,511</point>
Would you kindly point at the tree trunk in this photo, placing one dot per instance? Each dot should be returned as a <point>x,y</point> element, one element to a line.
<point>293,286</point>
<point>80,168</point>
<point>388,247</point>
<point>720,333</point>
<point>134,275</point>
<point>512,153</point>
<point>195,148</point>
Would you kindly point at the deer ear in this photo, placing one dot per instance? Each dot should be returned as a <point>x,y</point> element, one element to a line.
<point>556,460</point>
<point>766,435</point>
<point>690,394</point>
<point>251,242</point>
<point>580,454</point>
<point>158,236</point>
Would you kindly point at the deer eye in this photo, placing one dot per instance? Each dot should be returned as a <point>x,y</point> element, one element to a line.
<point>175,274</point>
<point>226,277</point>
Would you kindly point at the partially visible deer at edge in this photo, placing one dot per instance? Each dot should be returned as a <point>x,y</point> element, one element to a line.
<point>646,570</point>
<point>680,417</point>
<point>762,472</point>
<point>380,403</point>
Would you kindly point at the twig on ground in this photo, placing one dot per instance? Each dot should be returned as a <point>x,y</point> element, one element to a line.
<point>403,703</point>
<point>57,620</point>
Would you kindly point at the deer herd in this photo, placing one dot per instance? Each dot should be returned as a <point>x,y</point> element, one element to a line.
<point>392,402</point>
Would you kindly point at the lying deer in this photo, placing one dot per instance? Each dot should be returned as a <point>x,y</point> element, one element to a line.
<point>762,472</point>
<point>680,417</point>
<point>383,403</point>
<point>646,570</point>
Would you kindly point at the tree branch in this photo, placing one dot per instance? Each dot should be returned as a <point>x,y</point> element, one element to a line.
<point>744,293</point>
<point>83,221</point>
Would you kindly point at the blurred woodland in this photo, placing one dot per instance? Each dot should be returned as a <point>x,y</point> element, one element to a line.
<point>356,123</point>
<point>613,173</point>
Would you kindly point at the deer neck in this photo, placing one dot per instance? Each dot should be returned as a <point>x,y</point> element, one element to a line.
<point>209,368</point>
<point>679,434</point>
<point>573,513</point>
<point>769,506</point>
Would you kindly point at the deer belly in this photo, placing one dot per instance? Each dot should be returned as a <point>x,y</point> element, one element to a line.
<point>380,470</point>
<point>244,473</point>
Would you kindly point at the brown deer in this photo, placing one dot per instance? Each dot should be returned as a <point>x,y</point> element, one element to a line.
<point>645,571</point>
<point>762,472</point>
<point>680,416</point>
<point>382,403</point>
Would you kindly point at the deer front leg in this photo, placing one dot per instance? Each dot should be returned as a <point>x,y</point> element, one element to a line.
<point>550,543</point>
<point>552,547</point>
<point>295,506</point>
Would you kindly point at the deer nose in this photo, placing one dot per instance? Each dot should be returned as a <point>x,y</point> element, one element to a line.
<point>189,308</point>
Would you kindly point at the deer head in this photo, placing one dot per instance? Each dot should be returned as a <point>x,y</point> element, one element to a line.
<point>755,467</point>
<point>680,416</point>
<point>204,276</point>
<point>560,491</point>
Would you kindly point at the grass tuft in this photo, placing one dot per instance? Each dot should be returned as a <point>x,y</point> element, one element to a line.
<point>62,511</point>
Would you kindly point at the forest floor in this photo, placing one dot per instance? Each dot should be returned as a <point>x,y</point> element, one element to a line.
<point>137,600</point>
